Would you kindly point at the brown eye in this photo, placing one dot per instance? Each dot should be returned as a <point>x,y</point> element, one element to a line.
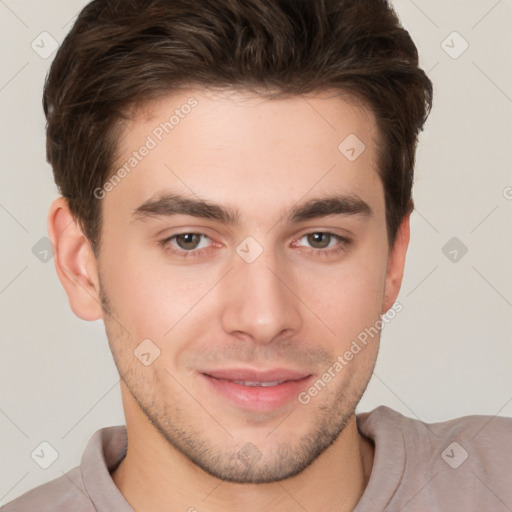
<point>187,245</point>
<point>319,240</point>
<point>188,241</point>
<point>323,243</point>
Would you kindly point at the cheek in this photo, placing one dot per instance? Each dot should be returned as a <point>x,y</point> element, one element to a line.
<point>153,300</point>
<point>348,298</point>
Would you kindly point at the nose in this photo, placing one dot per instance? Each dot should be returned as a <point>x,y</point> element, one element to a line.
<point>258,302</point>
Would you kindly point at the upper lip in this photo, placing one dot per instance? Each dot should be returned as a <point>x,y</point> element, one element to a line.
<point>247,374</point>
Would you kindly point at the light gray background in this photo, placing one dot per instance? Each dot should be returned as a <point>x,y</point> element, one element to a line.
<point>447,354</point>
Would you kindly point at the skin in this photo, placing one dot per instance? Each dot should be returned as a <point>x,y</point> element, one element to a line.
<point>298,305</point>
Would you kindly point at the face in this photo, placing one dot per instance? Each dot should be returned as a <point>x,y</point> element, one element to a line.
<point>242,254</point>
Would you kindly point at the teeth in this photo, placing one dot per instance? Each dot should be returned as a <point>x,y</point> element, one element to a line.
<point>254,383</point>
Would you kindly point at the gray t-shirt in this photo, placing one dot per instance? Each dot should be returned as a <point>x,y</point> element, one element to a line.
<point>463,464</point>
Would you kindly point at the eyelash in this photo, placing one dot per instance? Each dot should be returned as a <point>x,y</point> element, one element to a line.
<point>342,244</point>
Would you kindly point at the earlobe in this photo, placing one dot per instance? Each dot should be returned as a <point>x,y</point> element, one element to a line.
<point>396,264</point>
<point>74,261</point>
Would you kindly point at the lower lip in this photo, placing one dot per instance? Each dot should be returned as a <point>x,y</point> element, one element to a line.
<point>258,398</point>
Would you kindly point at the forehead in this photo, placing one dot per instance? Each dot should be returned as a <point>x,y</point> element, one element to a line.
<point>238,147</point>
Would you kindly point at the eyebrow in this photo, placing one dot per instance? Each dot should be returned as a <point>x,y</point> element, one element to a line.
<point>170,204</point>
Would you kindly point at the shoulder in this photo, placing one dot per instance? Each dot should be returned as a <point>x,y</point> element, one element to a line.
<point>62,494</point>
<point>466,460</point>
<point>86,488</point>
<point>477,429</point>
<point>483,438</point>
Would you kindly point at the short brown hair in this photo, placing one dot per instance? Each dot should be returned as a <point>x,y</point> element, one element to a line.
<point>122,53</point>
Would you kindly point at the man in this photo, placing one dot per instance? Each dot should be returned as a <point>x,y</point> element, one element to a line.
<point>236,190</point>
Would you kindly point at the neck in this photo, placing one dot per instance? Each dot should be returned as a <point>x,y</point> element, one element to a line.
<point>154,477</point>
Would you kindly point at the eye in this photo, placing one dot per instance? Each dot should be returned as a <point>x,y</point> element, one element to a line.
<point>186,244</point>
<point>320,240</point>
<point>324,242</point>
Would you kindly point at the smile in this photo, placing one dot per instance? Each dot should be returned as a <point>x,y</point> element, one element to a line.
<point>256,391</point>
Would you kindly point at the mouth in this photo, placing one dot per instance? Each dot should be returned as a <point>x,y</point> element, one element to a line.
<point>257,391</point>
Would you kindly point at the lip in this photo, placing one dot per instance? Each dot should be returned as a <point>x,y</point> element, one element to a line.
<point>256,398</point>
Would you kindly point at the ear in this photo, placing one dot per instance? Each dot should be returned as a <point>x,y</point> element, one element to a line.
<point>74,261</point>
<point>396,264</point>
